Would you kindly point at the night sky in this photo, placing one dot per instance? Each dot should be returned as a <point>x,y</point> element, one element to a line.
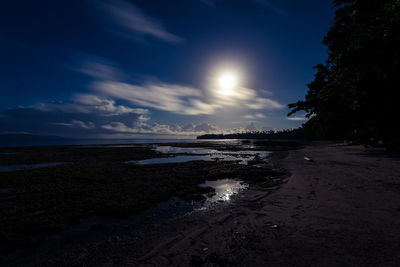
<point>117,69</point>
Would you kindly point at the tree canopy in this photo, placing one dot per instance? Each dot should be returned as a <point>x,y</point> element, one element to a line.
<point>354,93</point>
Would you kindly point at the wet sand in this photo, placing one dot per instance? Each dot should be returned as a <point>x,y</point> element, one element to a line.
<point>341,209</point>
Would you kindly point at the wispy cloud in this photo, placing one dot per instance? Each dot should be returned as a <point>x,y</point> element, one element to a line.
<point>77,124</point>
<point>169,97</point>
<point>90,116</point>
<point>83,116</point>
<point>98,69</point>
<point>254,116</point>
<point>88,104</point>
<point>297,118</point>
<point>164,129</point>
<point>99,114</point>
<point>93,116</point>
<point>175,98</point>
<point>263,103</point>
<point>133,20</point>
<point>182,99</point>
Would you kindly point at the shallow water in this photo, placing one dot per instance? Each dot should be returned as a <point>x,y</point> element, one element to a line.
<point>185,150</point>
<point>196,153</point>
<point>10,168</point>
<point>224,189</point>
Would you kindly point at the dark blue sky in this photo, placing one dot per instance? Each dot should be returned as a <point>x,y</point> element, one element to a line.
<point>139,68</point>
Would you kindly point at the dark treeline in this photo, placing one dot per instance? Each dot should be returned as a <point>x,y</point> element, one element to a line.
<point>284,134</point>
<point>353,94</point>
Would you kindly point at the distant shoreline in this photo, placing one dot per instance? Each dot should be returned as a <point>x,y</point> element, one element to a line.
<point>290,134</point>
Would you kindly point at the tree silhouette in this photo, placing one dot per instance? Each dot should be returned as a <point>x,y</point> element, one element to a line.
<point>353,94</point>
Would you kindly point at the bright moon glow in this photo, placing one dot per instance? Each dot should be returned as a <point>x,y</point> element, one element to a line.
<point>227,82</point>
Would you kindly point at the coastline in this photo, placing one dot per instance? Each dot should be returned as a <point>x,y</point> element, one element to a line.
<point>341,209</point>
<point>100,191</point>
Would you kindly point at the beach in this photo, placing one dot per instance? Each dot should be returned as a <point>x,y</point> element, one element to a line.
<point>340,207</point>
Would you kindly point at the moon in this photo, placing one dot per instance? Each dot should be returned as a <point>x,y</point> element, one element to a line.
<point>227,83</point>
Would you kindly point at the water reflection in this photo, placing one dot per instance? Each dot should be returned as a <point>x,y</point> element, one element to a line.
<point>224,189</point>
<point>176,159</point>
<point>196,153</point>
<point>185,150</point>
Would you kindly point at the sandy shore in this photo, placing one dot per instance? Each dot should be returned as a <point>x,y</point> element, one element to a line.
<point>341,209</point>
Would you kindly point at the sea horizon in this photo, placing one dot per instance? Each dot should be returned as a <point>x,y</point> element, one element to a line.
<point>89,141</point>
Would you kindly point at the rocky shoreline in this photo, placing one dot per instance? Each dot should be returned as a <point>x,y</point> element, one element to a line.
<point>46,203</point>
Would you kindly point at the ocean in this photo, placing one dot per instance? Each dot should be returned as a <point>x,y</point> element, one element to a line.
<point>64,142</point>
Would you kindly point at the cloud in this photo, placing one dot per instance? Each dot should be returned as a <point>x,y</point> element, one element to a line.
<point>254,116</point>
<point>77,124</point>
<point>92,116</point>
<point>182,99</point>
<point>163,129</point>
<point>263,103</point>
<point>88,104</point>
<point>99,70</point>
<point>169,97</point>
<point>297,118</point>
<point>245,97</point>
<point>133,21</point>
<point>83,116</point>
<point>176,98</point>
<point>98,114</point>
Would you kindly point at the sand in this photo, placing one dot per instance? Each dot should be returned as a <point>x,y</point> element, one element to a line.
<point>340,209</point>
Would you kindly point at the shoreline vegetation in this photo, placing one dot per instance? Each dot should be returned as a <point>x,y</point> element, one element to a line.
<point>290,134</point>
<point>352,95</point>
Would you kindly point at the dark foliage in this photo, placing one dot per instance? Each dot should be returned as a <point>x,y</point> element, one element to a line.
<point>284,134</point>
<point>353,95</point>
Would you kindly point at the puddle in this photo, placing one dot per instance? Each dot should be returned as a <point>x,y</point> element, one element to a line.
<point>224,189</point>
<point>10,168</point>
<point>195,153</point>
